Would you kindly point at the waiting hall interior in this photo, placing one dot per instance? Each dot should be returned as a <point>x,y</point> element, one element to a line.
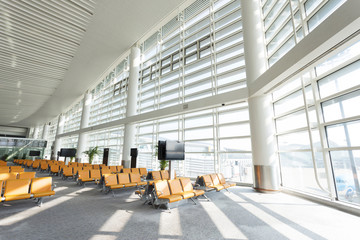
<point>181,119</point>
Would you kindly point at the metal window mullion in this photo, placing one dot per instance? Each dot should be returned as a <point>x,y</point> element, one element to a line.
<point>323,139</point>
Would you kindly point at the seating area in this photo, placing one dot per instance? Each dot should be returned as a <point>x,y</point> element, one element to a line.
<point>26,188</point>
<point>214,181</point>
<point>122,180</point>
<point>170,191</point>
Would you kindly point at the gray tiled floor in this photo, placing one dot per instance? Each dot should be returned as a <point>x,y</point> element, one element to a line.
<point>85,213</point>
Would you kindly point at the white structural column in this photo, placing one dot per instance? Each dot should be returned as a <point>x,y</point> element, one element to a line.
<point>45,131</point>
<point>263,141</point>
<point>59,130</point>
<point>85,115</point>
<point>129,131</point>
<point>35,133</point>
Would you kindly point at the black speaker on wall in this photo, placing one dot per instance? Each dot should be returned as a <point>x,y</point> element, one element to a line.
<point>106,156</point>
<point>133,154</point>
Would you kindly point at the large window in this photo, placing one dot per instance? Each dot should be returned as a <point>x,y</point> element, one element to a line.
<point>216,140</point>
<point>73,118</point>
<point>109,96</point>
<point>317,121</point>
<point>108,138</point>
<point>198,54</point>
<point>286,22</point>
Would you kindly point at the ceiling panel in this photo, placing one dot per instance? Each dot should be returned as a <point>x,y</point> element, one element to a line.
<point>38,42</point>
<point>51,51</point>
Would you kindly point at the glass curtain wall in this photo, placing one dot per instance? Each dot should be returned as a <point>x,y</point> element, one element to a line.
<point>216,140</point>
<point>72,118</point>
<point>197,54</point>
<point>109,96</point>
<point>108,138</point>
<point>317,120</point>
<point>286,22</point>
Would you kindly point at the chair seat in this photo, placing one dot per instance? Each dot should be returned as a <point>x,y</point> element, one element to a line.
<point>198,192</point>
<point>86,179</point>
<point>17,197</point>
<point>43,194</point>
<point>130,184</point>
<point>218,187</point>
<point>117,186</point>
<point>227,185</point>
<point>141,183</point>
<point>171,198</point>
<point>186,195</point>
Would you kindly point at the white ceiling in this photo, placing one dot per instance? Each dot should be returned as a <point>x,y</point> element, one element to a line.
<point>52,51</point>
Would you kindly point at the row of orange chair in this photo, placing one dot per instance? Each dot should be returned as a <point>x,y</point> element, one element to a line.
<point>17,189</point>
<point>3,163</point>
<point>169,191</point>
<point>7,169</point>
<point>122,180</point>
<point>17,175</point>
<point>215,181</point>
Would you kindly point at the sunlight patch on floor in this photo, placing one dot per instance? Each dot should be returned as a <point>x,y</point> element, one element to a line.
<point>170,224</point>
<point>116,222</point>
<point>225,226</point>
<point>273,222</point>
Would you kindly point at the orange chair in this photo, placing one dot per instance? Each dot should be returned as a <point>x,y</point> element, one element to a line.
<point>26,175</point>
<point>41,187</point>
<point>16,189</point>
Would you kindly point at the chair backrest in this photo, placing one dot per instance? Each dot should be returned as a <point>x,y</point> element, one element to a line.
<point>87,165</point>
<point>76,169</point>
<point>175,186</point>
<point>110,179</point>
<point>123,178</point>
<point>221,178</point>
<point>135,170</point>
<point>4,169</point>
<point>83,174</point>
<point>39,185</point>
<point>36,164</point>
<point>118,168</point>
<point>156,175</point>
<point>26,175</point>
<point>207,180</point>
<point>186,184</point>
<point>143,171</point>
<point>67,170</point>
<point>135,177</point>
<point>95,173</point>
<point>164,174</point>
<point>126,170</point>
<point>96,166</point>
<point>19,169</point>
<point>44,165</point>
<point>215,179</point>
<point>16,187</point>
<point>113,169</point>
<point>54,168</point>
<point>105,171</point>
<point>8,176</point>
<point>162,188</point>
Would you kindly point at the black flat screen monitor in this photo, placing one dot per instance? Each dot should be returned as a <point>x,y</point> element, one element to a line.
<point>171,150</point>
<point>133,152</point>
<point>34,153</point>
<point>67,152</point>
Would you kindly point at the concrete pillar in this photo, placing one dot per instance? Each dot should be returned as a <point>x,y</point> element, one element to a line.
<point>59,130</point>
<point>129,131</point>
<point>85,116</point>
<point>263,141</point>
